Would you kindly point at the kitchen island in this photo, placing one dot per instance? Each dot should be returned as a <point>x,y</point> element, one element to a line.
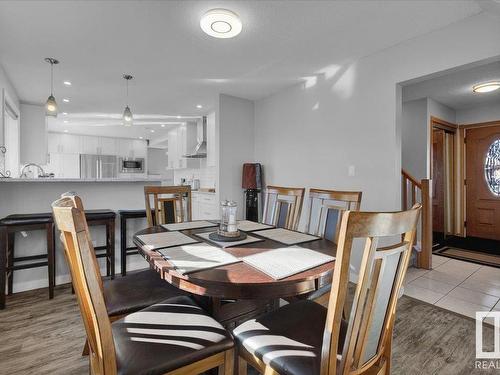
<point>19,196</point>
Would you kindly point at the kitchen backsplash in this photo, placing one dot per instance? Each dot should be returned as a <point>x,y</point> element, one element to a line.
<point>206,175</point>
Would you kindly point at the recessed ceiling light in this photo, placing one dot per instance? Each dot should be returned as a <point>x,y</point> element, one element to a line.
<point>179,116</point>
<point>66,130</point>
<point>221,23</point>
<point>65,100</point>
<point>67,83</point>
<point>486,87</point>
<point>65,121</point>
<point>199,106</point>
<point>152,131</point>
<point>65,113</point>
<point>140,137</point>
<point>162,125</point>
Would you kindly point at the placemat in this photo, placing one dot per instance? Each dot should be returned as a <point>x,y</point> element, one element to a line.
<point>287,237</point>
<point>162,240</point>
<point>249,226</point>
<point>189,225</point>
<point>249,239</point>
<point>197,257</point>
<point>286,261</point>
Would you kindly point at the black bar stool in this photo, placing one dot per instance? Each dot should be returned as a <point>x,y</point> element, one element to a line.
<point>9,263</point>
<point>124,249</point>
<point>106,218</point>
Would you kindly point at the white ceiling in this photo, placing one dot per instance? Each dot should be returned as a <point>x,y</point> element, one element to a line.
<point>176,66</point>
<point>455,89</point>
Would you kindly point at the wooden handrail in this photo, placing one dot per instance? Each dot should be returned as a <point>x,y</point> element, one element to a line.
<point>411,178</point>
<point>420,193</point>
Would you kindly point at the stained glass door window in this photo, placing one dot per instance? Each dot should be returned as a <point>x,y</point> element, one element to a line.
<point>492,167</point>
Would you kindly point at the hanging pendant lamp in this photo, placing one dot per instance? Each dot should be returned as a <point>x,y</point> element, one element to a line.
<point>51,104</point>
<point>127,113</point>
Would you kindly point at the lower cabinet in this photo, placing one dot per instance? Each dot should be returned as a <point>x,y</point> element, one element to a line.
<point>64,165</point>
<point>204,206</point>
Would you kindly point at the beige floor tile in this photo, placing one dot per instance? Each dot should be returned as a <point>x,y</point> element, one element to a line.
<point>438,260</point>
<point>454,267</point>
<point>487,274</point>
<point>473,296</point>
<point>454,279</point>
<point>434,285</point>
<point>460,306</point>
<point>422,294</point>
<point>412,273</point>
<point>480,286</point>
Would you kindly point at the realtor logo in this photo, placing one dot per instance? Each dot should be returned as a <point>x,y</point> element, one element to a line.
<point>480,353</point>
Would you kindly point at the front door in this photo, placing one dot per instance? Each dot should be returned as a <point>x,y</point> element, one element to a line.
<point>483,182</point>
<point>438,171</point>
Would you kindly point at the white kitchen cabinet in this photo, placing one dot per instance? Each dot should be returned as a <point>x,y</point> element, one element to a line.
<point>64,143</point>
<point>211,149</point>
<point>124,147</point>
<point>64,165</point>
<point>181,141</point>
<point>107,146</point>
<point>90,144</point>
<point>205,206</point>
<point>139,148</point>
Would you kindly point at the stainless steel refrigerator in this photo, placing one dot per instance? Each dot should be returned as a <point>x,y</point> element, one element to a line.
<point>98,166</point>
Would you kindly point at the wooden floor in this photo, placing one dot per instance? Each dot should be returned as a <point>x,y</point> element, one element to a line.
<point>44,336</point>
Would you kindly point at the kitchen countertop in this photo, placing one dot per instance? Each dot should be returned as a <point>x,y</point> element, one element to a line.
<point>202,192</point>
<point>101,180</point>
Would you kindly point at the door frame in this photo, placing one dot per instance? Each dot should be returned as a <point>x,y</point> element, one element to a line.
<point>463,171</point>
<point>437,123</point>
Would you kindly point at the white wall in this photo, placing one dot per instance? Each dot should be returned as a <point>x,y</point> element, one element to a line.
<point>485,113</point>
<point>236,145</point>
<point>33,134</point>
<point>309,135</point>
<point>9,89</point>
<point>414,142</point>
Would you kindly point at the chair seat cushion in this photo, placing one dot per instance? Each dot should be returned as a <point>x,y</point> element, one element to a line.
<point>289,339</point>
<point>166,336</point>
<point>136,291</point>
<point>27,219</point>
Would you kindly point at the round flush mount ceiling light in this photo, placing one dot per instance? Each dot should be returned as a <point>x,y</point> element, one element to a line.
<point>486,87</point>
<point>221,23</point>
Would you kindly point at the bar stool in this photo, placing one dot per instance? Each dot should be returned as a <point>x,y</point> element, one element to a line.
<point>11,224</point>
<point>107,218</point>
<point>124,249</point>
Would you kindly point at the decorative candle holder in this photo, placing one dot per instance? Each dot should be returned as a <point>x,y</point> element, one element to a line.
<point>228,228</point>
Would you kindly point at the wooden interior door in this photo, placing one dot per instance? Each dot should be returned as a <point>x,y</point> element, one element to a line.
<point>438,179</point>
<point>483,198</point>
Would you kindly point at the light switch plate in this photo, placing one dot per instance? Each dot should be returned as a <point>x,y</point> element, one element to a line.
<point>351,171</point>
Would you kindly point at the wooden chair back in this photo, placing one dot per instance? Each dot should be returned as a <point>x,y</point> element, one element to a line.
<point>70,220</point>
<point>367,345</point>
<point>282,206</point>
<point>162,200</point>
<point>326,208</point>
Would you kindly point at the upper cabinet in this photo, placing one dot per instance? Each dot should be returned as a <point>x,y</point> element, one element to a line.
<point>211,147</point>
<point>65,143</point>
<point>107,146</point>
<point>181,141</point>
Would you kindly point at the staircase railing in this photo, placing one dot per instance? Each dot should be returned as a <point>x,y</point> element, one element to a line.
<point>413,191</point>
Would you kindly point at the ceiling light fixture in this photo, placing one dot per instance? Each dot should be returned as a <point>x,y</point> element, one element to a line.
<point>65,121</point>
<point>67,83</point>
<point>162,125</point>
<point>66,130</point>
<point>140,137</point>
<point>65,113</point>
<point>486,87</point>
<point>221,23</point>
<point>127,113</point>
<point>152,130</point>
<point>199,106</point>
<point>51,104</point>
<point>65,100</point>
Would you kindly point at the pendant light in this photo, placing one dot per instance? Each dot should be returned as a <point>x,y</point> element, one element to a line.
<point>127,113</point>
<point>51,104</point>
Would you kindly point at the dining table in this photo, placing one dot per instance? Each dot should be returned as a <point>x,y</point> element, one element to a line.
<point>237,292</point>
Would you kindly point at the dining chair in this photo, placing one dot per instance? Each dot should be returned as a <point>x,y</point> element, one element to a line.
<point>305,338</point>
<point>282,206</point>
<point>326,208</point>
<point>167,204</point>
<point>124,295</point>
<point>174,336</point>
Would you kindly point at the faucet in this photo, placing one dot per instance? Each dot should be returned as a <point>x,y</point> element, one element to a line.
<point>41,172</point>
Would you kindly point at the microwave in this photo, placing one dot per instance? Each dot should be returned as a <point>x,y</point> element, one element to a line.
<point>129,165</point>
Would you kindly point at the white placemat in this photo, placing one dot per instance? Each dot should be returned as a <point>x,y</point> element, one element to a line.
<point>162,240</point>
<point>287,237</point>
<point>249,226</point>
<point>197,257</point>
<point>286,261</point>
<point>249,239</point>
<point>189,225</point>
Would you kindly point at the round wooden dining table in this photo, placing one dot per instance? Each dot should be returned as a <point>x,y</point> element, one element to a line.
<point>252,288</point>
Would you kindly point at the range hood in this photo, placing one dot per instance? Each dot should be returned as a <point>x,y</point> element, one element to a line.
<point>200,151</point>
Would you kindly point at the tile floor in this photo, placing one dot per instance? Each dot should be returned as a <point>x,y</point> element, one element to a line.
<point>455,285</point>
